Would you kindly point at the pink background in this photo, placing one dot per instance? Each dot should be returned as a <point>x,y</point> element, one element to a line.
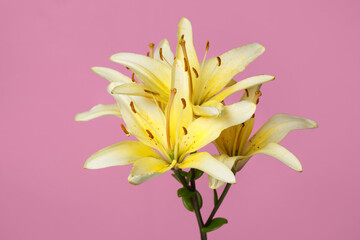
<point>46,51</point>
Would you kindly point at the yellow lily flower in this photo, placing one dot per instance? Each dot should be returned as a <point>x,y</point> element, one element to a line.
<point>166,137</point>
<point>206,80</point>
<point>236,149</point>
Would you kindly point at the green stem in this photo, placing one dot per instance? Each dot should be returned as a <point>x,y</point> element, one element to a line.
<point>196,206</point>
<point>194,200</point>
<point>217,205</point>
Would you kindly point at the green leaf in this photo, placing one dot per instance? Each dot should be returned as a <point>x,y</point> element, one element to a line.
<point>185,193</point>
<point>214,224</point>
<point>188,204</point>
<point>198,173</point>
<point>176,177</point>
<point>188,177</point>
<point>216,198</point>
<point>199,199</point>
<point>182,173</point>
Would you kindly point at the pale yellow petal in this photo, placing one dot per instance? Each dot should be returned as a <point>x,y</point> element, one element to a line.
<point>147,168</point>
<point>208,164</point>
<point>277,151</point>
<point>111,75</point>
<point>276,128</point>
<point>250,93</point>
<point>98,111</point>
<point>181,112</point>
<point>208,111</point>
<point>206,129</point>
<point>167,54</point>
<point>215,77</point>
<point>232,82</point>
<point>144,120</point>
<point>122,153</point>
<point>242,85</point>
<point>154,73</point>
<point>137,89</point>
<point>185,32</point>
<point>228,162</point>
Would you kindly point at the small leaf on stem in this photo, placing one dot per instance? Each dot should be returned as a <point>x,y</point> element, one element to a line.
<point>214,224</point>
<point>199,199</point>
<point>188,204</point>
<point>198,174</point>
<point>177,179</point>
<point>185,193</point>
<point>216,198</point>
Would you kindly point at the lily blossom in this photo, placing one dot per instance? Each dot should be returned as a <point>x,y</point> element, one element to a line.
<point>236,149</point>
<point>166,137</point>
<point>210,81</point>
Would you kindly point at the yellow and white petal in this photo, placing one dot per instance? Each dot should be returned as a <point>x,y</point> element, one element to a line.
<point>208,111</point>
<point>122,153</point>
<point>231,63</point>
<point>279,152</point>
<point>229,163</point>
<point>232,82</point>
<point>185,32</point>
<point>276,128</point>
<point>155,74</point>
<point>251,93</point>
<point>137,89</point>
<point>144,120</point>
<point>242,85</point>
<point>206,129</point>
<point>208,164</point>
<point>98,111</point>
<point>111,75</point>
<point>147,168</point>
<point>181,111</point>
<point>167,54</point>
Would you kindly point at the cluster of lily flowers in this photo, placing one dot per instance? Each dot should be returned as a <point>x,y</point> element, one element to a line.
<point>176,107</point>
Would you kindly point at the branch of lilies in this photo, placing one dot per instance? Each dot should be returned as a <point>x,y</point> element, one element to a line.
<point>209,82</point>
<point>166,137</point>
<point>236,148</point>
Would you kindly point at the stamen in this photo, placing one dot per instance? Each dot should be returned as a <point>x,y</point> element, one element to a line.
<point>161,55</point>
<point>151,92</point>
<point>150,134</point>
<point>219,61</point>
<point>247,93</point>
<point>151,46</point>
<point>124,129</point>
<point>257,96</point>
<point>182,37</point>
<point>253,116</point>
<point>133,77</point>
<point>163,58</point>
<point>171,100</point>
<point>206,50</point>
<point>187,66</point>
<point>132,106</point>
<point>185,130</point>
<point>196,73</point>
<point>148,54</point>
<point>183,102</point>
<point>127,68</point>
<point>258,93</point>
